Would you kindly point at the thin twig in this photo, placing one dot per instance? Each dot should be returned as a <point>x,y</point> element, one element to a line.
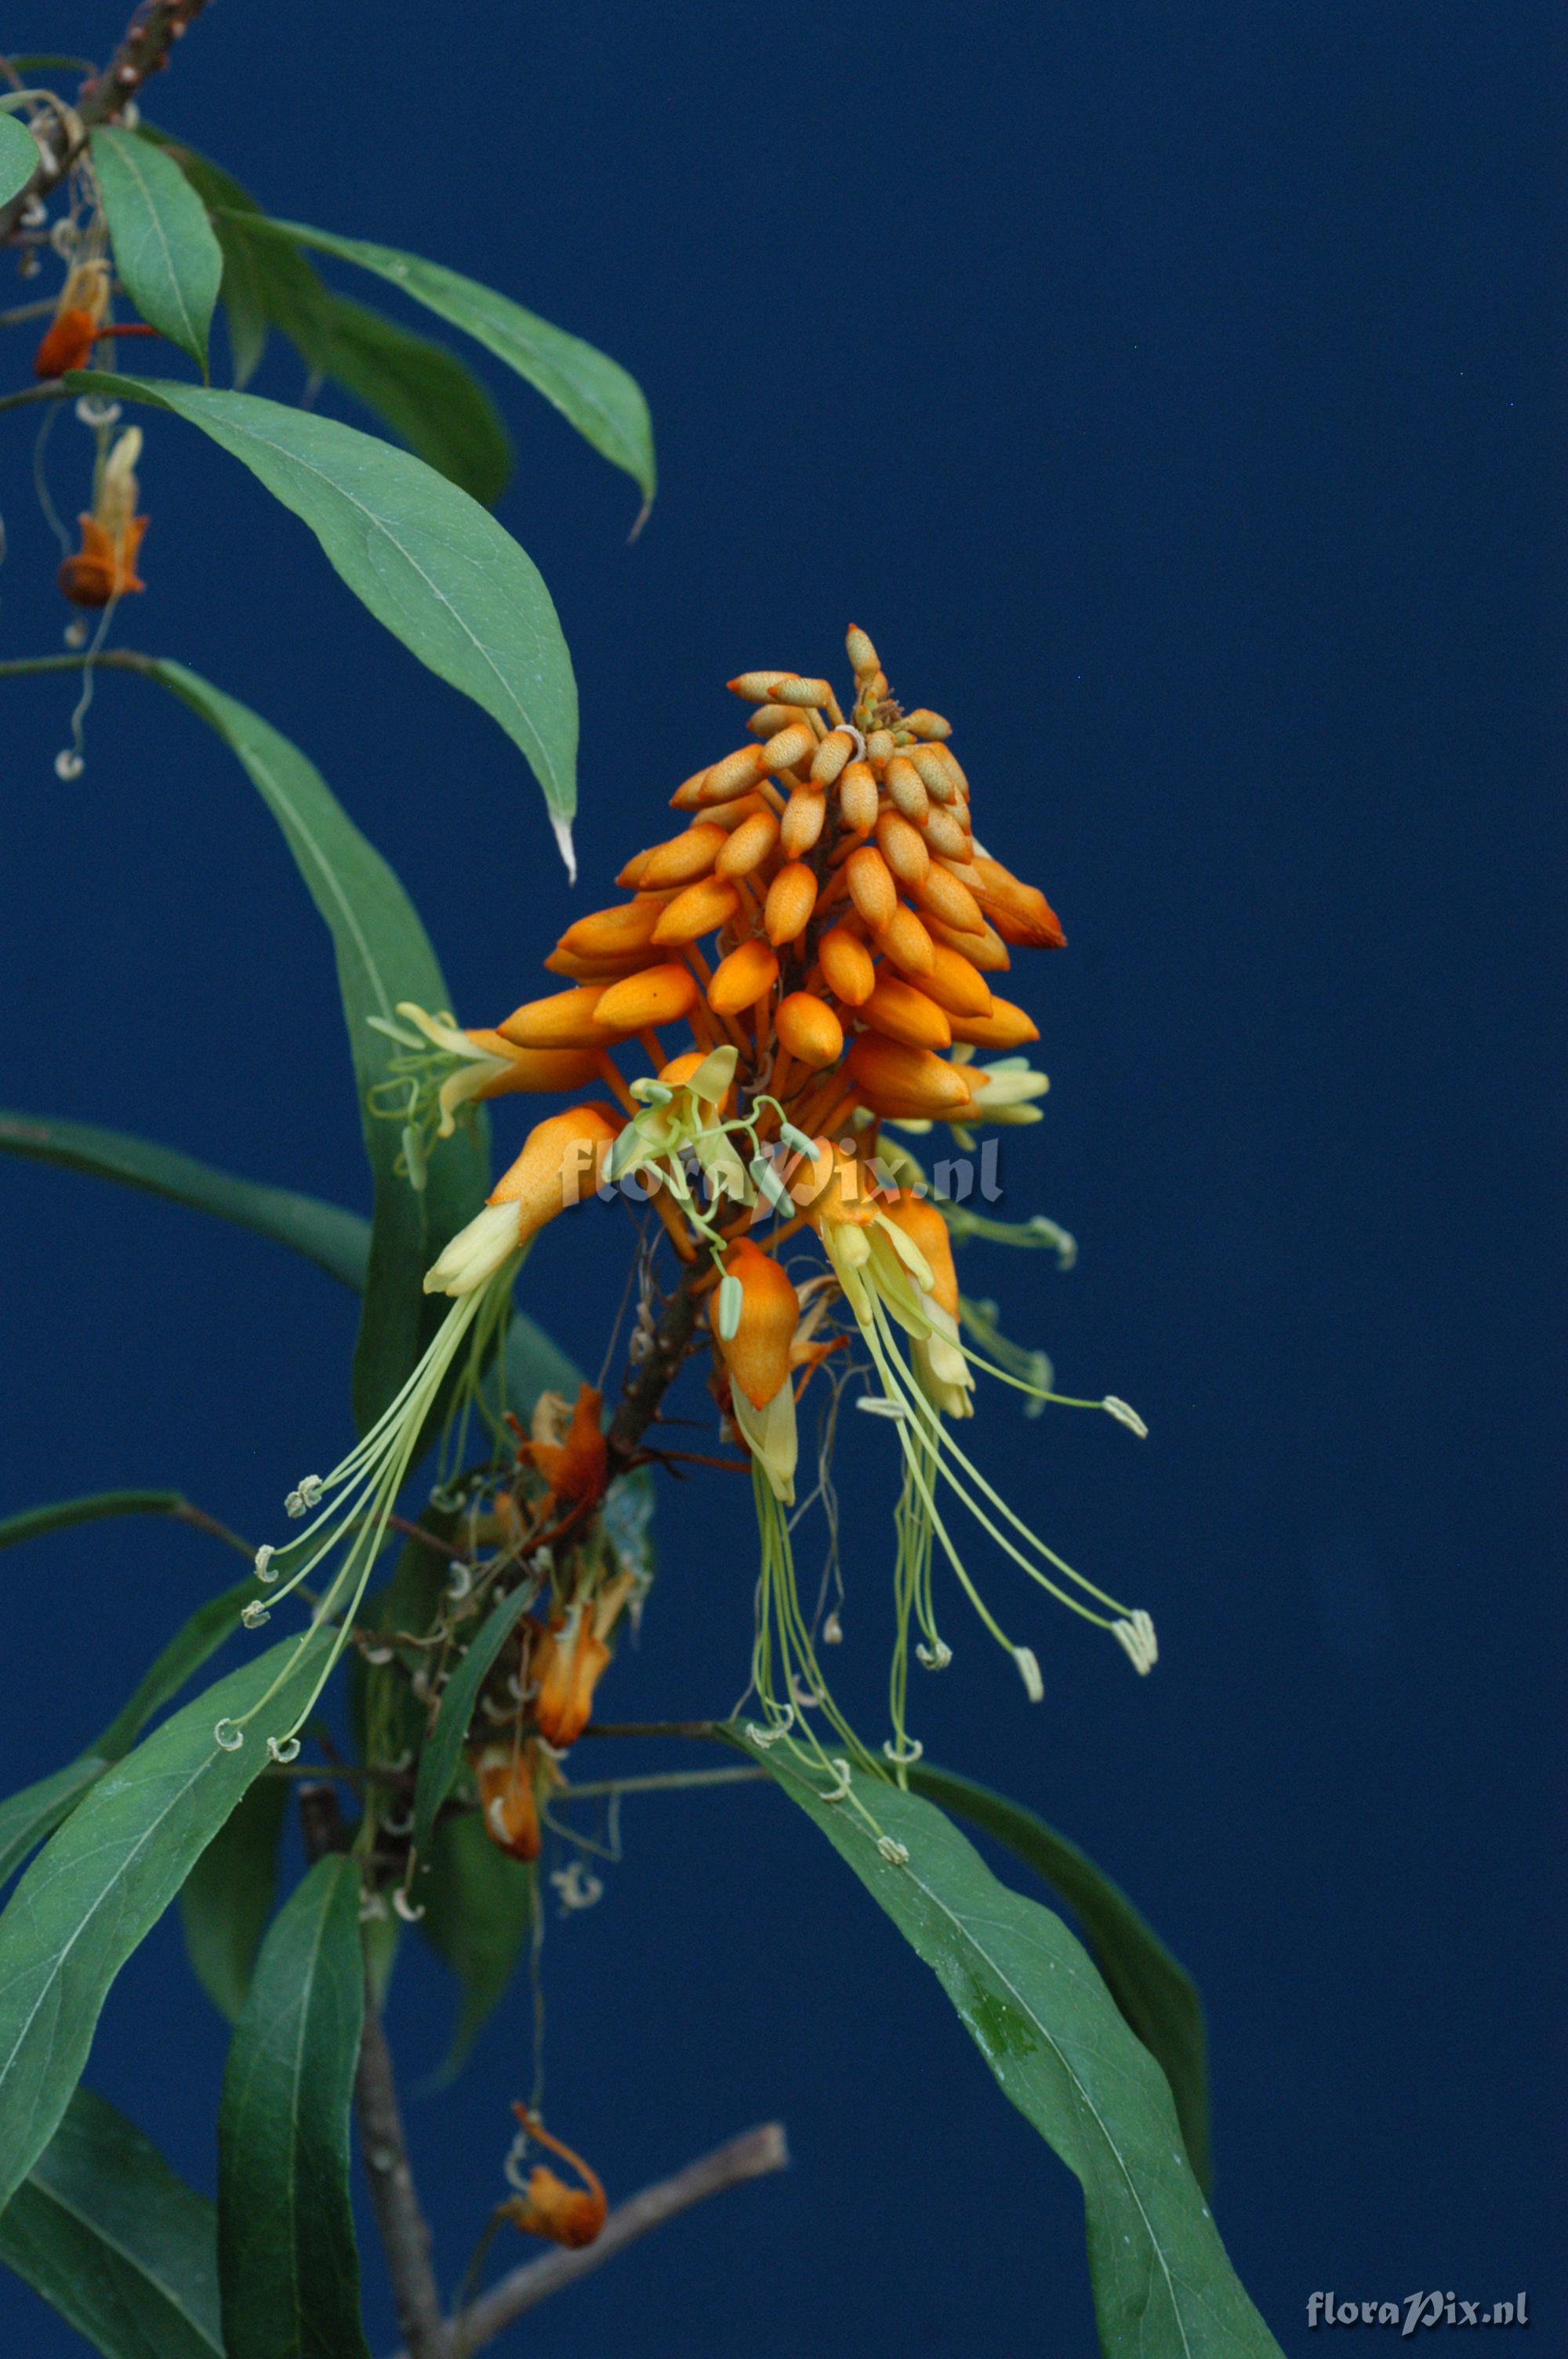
<point>701,1728</point>
<point>201,1521</point>
<point>52,391</point>
<point>404,2232</point>
<point>672,1781</point>
<point>112,660</point>
<point>756,2154</point>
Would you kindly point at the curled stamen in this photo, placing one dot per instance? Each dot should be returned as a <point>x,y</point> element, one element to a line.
<point>263,1563</point>
<point>1126,1416</point>
<point>459,1581</point>
<point>906,1749</point>
<point>255,1615</point>
<point>410,1911</point>
<point>1029,1672</point>
<point>877,1404</point>
<point>840,1792</point>
<point>1137,1635</point>
<point>284,1752</point>
<point>833,1630</point>
<point>892,1851</point>
<point>577,1886</point>
<point>228,1735</point>
<point>934,1657</point>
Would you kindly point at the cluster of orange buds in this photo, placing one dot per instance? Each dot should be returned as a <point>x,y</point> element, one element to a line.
<point>105,566</point>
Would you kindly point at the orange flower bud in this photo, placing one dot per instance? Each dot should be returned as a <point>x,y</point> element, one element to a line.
<point>830,757</point>
<point>808,693</point>
<point>562,1161</point>
<point>896,1079</point>
<point>906,941</point>
<point>611,933</point>
<point>858,797</point>
<point>934,773</point>
<point>735,813</point>
<point>942,893</point>
<point>847,965</point>
<point>836,1186</point>
<point>946,833</point>
<point>632,875</point>
<point>748,846</point>
<point>871,888</point>
<point>660,995</point>
<point>1006,1026</point>
<point>701,909</point>
<point>861,654</point>
<point>789,746</point>
<point>756,687</point>
<point>879,748</point>
<point>505,1779</point>
<point>923,722</point>
<point>66,343</point>
<point>792,897</point>
<point>1020,912</point>
<point>688,794</point>
<point>768,719</point>
<point>956,983</point>
<point>801,822</point>
<point>904,1014</point>
<point>572,2216</point>
<point>808,1029</point>
<point>597,970</point>
<point>747,974</point>
<point>923,1226</point>
<point>565,1021</point>
<point>680,861</point>
<point>903,848</point>
<point>908,793</point>
<point>534,1069</point>
<point>735,774</point>
<point>757,1354</point>
<point>986,950</point>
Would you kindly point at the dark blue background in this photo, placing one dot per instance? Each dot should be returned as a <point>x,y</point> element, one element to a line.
<point>1167,391</point>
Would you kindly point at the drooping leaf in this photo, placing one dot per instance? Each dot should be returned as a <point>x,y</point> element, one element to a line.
<point>227,1898</point>
<point>102,1882</point>
<point>1029,1997</point>
<point>18,157</point>
<point>383,956</point>
<point>417,388</point>
<point>94,1506</point>
<point>1157,1997</point>
<point>592,392</point>
<point>443,1750</point>
<point>335,1240</point>
<point>164,246</point>
<point>288,2265</point>
<point>479,1907</point>
<point>26,1819</point>
<point>107,2234</point>
<point>427,561</point>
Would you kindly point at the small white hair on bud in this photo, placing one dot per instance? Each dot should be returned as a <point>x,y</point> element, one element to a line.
<point>1126,1416</point>
<point>1029,1672</point>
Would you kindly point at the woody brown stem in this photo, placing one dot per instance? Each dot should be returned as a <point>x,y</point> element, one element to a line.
<point>641,1400</point>
<point>149,37</point>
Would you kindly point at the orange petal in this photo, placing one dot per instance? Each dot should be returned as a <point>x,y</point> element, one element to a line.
<point>809,1030</point>
<point>562,1160</point>
<point>66,345</point>
<point>792,897</point>
<point>757,1354</point>
<point>902,847</point>
<point>660,995</point>
<point>988,950</point>
<point>611,933</point>
<point>802,822</point>
<point>858,797</point>
<point>956,983</point>
<point>923,1225</point>
<point>701,909</point>
<point>747,974</point>
<point>505,1779</point>
<point>536,1069</point>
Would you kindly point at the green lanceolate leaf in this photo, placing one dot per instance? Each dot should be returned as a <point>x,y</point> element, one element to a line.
<point>417,388</point>
<point>1157,1997</point>
<point>194,1643</point>
<point>1029,1997</point>
<point>164,246</point>
<point>592,392</point>
<point>479,1907</point>
<point>287,2261</point>
<point>227,1898</point>
<point>428,562</point>
<point>94,1506</point>
<point>26,1819</point>
<point>102,1882</point>
<point>116,2241</point>
<point>335,1240</point>
<point>438,1761</point>
<point>383,956</point>
<point>18,157</point>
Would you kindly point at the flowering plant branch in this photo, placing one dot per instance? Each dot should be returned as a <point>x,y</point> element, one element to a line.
<point>788,1044</point>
